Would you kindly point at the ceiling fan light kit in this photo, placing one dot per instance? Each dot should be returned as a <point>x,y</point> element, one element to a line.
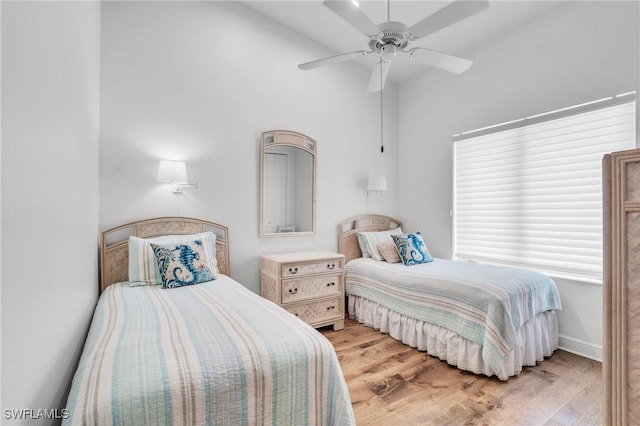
<point>390,38</point>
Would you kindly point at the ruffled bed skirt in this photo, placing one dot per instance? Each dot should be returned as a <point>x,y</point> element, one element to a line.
<point>538,338</point>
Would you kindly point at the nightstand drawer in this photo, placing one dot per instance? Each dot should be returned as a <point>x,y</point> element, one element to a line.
<point>318,311</point>
<point>294,290</point>
<point>311,268</point>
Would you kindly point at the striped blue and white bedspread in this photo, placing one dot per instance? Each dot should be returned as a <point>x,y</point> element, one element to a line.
<point>483,303</point>
<point>211,353</point>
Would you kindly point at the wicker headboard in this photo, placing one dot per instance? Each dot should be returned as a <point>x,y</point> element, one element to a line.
<point>347,230</point>
<point>114,252</point>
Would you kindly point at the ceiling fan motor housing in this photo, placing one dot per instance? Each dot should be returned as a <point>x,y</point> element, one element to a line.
<point>391,33</point>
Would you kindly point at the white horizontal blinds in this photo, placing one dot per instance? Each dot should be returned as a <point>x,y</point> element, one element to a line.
<point>532,196</point>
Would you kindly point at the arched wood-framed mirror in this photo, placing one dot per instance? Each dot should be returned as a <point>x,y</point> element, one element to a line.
<point>287,184</point>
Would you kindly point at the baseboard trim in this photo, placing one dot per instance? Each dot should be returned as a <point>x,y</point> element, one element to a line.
<point>580,347</point>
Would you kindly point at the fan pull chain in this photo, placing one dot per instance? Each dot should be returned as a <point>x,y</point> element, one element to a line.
<point>381,113</point>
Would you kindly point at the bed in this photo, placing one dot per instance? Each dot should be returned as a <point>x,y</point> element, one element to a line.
<point>487,319</point>
<point>208,353</point>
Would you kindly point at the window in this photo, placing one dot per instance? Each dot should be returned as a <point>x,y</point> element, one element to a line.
<point>529,192</point>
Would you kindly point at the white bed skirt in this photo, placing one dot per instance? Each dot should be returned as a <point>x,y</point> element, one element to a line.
<point>538,338</point>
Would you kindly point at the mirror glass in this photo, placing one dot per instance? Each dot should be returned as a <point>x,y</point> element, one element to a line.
<point>287,184</point>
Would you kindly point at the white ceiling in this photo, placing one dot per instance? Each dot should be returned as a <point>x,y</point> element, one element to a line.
<point>317,22</point>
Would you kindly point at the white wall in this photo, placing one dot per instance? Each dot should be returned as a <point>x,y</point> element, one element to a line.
<point>50,101</point>
<point>199,82</point>
<point>579,52</point>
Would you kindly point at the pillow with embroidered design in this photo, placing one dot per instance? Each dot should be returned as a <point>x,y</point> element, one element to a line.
<point>143,267</point>
<point>412,249</point>
<point>182,264</point>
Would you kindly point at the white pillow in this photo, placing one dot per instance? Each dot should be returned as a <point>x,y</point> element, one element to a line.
<point>143,267</point>
<point>362,244</point>
<point>369,240</point>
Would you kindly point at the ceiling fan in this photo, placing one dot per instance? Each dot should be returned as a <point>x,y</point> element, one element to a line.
<point>389,38</point>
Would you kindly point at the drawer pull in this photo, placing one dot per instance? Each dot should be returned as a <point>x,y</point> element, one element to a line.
<point>330,308</point>
<point>293,290</point>
<point>330,284</point>
<point>293,270</point>
<point>331,266</point>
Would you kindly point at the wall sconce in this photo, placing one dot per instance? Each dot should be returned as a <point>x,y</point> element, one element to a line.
<point>376,184</point>
<point>175,173</point>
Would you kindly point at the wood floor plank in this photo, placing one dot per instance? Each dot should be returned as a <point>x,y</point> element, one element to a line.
<point>581,410</point>
<point>393,384</point>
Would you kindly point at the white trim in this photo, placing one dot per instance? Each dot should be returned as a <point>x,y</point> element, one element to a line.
<point>580,347</point>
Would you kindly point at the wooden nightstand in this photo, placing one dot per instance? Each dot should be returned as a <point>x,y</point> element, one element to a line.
<point>310,285</point>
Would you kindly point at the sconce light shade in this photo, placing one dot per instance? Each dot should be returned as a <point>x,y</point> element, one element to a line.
<point>172,172</point>
<point>376,184</point>
<point>175,173</point>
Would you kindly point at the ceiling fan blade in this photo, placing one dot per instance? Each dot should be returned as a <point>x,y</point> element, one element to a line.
<point>380,69</point>
<point>351,13</point>
<point>441,60</point>
<point>448,15</point>
<point>333,59</point>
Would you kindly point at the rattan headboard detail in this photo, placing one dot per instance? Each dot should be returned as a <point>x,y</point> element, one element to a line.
<point>347,230</point>
<point>114,253</point>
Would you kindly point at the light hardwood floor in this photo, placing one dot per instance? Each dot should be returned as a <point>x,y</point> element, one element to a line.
<point>393,384</point>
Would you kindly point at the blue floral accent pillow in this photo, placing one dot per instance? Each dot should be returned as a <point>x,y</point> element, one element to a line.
<point>184,263</point>
<point>412,249</point>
